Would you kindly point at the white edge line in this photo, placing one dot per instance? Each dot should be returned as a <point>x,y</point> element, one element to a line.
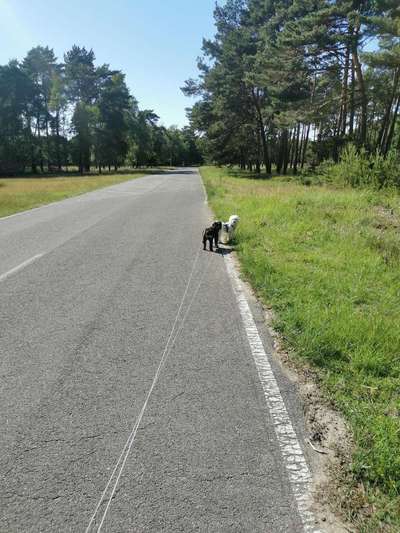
<point>296,466</point>
<point>20,267</point>
<point>40,207</point>
<point>204,187</point>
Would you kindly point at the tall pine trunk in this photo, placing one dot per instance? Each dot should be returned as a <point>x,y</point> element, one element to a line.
<point>352,100</point>
<point>392,127</point>
<point>47,133</point>
<point>285,151</point>
<point>292,148</point>
<point>32,147</point>
<point>39,137</point>
<point>362,90</point>
<point>305,146</point>
<point>58,151</point>
<point>282,151</point>
<point>345,94</point>
<point>296,151</point>
<point>386,122</point>
<point>258,159</point>
<point>266,157</point>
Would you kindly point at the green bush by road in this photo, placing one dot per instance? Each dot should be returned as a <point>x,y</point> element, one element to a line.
<point>19,194</point>
<point>328,262</point>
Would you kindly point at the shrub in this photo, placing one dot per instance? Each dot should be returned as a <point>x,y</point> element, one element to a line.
<point>357,168</point>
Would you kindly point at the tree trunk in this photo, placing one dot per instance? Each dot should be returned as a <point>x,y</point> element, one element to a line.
<point>40,145</point>
<point>86,159</point>
<point>58,140</point>
<point>296,150</point>
<point>292,147</point>
<point>267,160</point>
<point>362,89</point>
<point>285,151</point>
<point>242,163</point>
<point>47,134</point>
<point>303,158</point>
<point>386,123</point>
<point>258,159</point>
<point>345,86</point>
<point>281,154</point>
<point>352,100</point>
<point>392,127</point>
<point>32,147</point>
<point>302,141</point>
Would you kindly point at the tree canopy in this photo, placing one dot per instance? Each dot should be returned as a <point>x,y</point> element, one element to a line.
<point>290,82</point>
<point>54,114</point>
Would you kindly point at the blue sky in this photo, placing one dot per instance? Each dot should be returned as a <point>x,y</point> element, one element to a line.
<point>154,42</point>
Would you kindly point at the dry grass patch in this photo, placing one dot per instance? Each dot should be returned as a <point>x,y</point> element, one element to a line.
<point>19,194</point>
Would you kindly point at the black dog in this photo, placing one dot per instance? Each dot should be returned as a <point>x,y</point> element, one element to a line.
<point>211,235</point>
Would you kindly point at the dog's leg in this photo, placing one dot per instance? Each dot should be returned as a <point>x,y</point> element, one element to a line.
<point>211,245</point>
<point>204,242</point>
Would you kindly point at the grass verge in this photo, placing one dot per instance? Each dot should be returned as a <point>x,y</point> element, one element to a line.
<point>327,260</point>
<point>20,194</point>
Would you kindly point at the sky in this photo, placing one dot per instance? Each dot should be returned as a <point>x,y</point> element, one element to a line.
<point>154,42</point>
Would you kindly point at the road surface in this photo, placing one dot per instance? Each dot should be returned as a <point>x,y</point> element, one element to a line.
<point>129,398</point>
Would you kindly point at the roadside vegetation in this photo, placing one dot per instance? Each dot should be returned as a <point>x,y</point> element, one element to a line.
<point>326,258</point>
<point>19,194</point>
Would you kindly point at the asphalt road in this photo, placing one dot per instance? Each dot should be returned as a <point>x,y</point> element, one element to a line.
<point>83,328</point>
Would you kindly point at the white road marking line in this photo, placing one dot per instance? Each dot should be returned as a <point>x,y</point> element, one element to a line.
<point>204,187</point>
<point>29,211</point>
<point>20,267</point>
<point>293,457</point>
<point>128,445</point>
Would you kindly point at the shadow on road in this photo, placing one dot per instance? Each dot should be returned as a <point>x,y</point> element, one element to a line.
<point>178,171</point>
<point>224,250</point>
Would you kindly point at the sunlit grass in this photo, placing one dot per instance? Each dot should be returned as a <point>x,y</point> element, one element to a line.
<point>328,261</point>
<point>19,194</point>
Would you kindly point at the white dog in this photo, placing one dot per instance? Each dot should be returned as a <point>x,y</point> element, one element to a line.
<point>228,229</point>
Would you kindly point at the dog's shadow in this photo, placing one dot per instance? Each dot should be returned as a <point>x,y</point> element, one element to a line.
<point>223,249</point>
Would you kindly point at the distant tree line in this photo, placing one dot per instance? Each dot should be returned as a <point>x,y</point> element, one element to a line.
<point>290,83</point>
<point>55,114</point>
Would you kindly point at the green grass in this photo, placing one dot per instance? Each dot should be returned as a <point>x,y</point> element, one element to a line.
<point>19,194</point>
<point>328,262</point>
